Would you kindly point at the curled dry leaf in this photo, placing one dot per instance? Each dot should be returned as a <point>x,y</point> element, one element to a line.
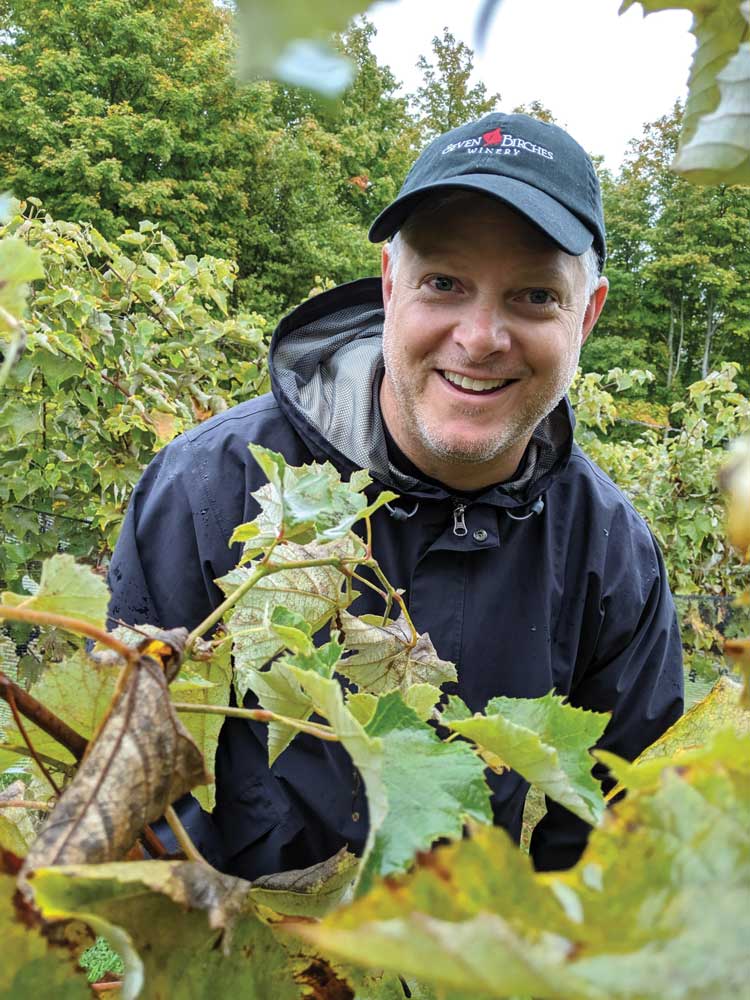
<point>141,760</point>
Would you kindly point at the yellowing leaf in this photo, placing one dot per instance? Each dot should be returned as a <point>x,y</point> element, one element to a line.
<point>182,928</point>
<point>656,908</point>
<point>67,588</point>
<point>308,892</point>
<point>141,760</point>
<point>385,659</point>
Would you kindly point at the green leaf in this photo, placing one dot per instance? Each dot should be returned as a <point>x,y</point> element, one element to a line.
<point>314,593</point>
<point>183,929</point>
<point>67,588</point>
<point>385,657</point>
<point>656,908</point>
<point>547,742</point>
<point>362,706</point>
<point>19,264</point>
<point>293,630</point>
<point>422,698</point>
<point>79,691</point>
<point>418,788</point>
<point>307,503</point>
<point>307,892</point>
<point>278,690</point>
<point>11,838</point>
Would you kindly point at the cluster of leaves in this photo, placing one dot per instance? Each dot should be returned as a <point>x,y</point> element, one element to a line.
<point>466,920</point>
<point>126,345</point>
<point>671,473</point>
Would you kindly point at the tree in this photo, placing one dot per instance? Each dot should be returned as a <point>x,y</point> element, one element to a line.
<point>445,98</point>
<point>114,111</point>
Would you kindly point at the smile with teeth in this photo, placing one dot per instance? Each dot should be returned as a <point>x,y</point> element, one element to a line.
<point>475,384</point>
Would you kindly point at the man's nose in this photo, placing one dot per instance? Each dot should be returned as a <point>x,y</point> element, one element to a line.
<point>483,331</point>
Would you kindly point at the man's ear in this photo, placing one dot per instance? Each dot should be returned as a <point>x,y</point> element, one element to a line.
<point>594,308</point>
<point>387,274</point>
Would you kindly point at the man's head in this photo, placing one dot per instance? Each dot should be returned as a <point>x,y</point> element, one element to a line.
<point>490,285</point>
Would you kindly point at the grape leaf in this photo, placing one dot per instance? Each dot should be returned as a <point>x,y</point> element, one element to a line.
<point>279,691</point>
<point>385,658</point>
<point>304,503</point>
<point>315,593</point>
<point>184,930</point>
<point>19,264</point>
<point>79,691</point>
<point>656,908</point>
<point>719,28</point>
<point>67,588</point>
<point>142,747</point>
<point>418,788</point>
<point>547,742</point>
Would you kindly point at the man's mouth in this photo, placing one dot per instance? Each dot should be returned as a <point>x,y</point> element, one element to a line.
<point>477,386</point>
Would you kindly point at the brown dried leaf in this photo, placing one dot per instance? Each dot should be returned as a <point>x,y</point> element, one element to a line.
<point>141,760</point>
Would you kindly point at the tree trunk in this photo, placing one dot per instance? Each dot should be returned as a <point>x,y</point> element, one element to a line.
<point>670,346</point>
<point>710,331</point>
<point>680,344</point>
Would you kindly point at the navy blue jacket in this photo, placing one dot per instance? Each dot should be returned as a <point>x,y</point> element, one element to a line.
<point>556,583</point>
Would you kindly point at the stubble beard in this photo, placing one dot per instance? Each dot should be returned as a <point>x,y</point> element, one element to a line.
<point>486,448</point>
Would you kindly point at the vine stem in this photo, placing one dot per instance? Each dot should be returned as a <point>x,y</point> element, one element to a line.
<point>24,804</point>
<point>182,837</point>
<point>265,569</point>
<point>47,721</point>
<point>22,614</point>
<point>317,729</point>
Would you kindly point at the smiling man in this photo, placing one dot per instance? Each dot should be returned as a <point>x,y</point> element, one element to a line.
<point>521,559</point>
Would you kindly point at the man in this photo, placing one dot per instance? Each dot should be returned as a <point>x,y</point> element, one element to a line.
<point>524,563</point>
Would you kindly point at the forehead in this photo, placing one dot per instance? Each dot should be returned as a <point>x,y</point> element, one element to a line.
<point>471,222</point>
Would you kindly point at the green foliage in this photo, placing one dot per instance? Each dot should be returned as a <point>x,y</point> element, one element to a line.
<point>127,344</point>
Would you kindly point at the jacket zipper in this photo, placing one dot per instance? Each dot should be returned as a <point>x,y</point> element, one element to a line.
<point>459,522</point>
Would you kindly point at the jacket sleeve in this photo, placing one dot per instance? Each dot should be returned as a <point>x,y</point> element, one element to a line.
<point>635,674</point>
<point>162,570</point>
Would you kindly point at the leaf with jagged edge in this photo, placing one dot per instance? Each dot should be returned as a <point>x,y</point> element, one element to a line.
<point>184,930</point>
<point>316,594</point>
<point>547,742</point>
<point>656,908</point>
<point>685,740</point>
<point>719,28</point>
<point>419,788</point>
<point>37,961</point>
<point>385,657</point>
<point>67,588</point>
<point>304,504</point>
<point>279,691</point>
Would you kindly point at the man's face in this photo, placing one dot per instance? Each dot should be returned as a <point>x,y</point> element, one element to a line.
<point>484,322</point>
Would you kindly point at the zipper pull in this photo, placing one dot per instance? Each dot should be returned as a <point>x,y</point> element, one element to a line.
<point>459,524</point>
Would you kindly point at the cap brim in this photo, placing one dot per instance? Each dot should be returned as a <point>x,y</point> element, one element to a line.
<point>562,227</point>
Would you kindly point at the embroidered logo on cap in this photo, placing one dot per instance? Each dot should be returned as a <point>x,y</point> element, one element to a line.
<point>498,143</point>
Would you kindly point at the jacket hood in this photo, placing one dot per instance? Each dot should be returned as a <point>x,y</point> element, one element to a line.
<point>326,365</point>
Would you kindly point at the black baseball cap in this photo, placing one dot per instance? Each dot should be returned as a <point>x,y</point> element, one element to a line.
<point>534,167</point>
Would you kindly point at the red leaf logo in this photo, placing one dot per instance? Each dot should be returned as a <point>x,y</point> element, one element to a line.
<point>493,138</point>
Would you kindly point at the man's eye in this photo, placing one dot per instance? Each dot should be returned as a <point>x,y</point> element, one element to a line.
<point>539,297</point>
<point>443,284</point>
